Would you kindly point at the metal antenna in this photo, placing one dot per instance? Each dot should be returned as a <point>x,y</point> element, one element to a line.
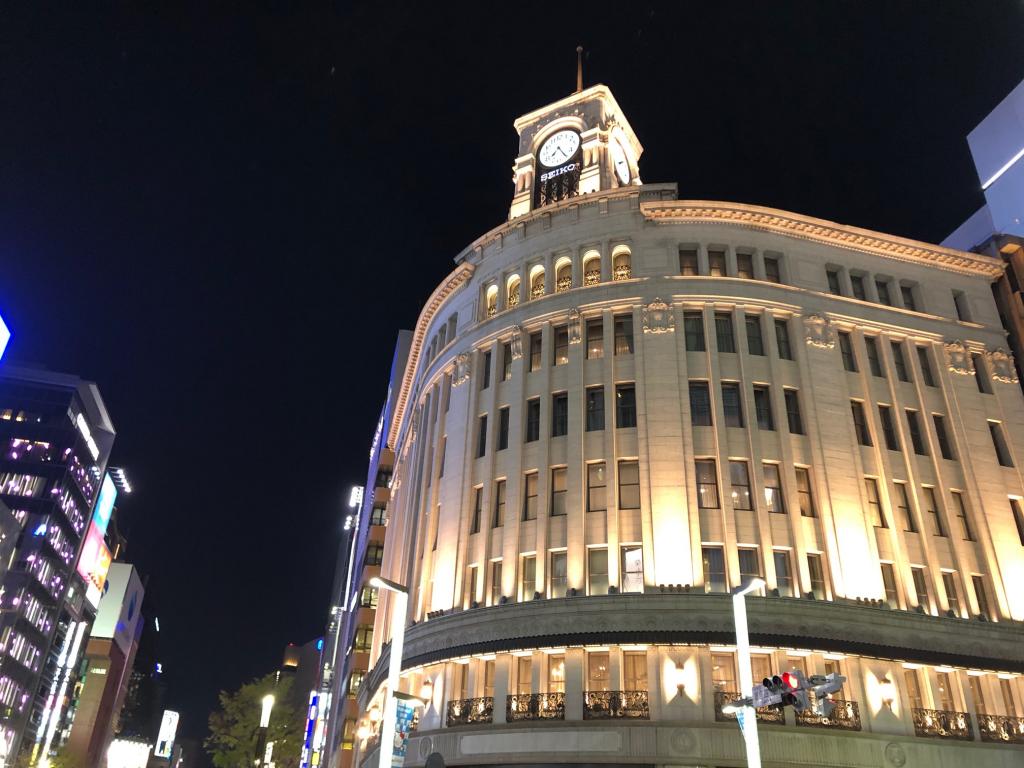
<point>579,68</point>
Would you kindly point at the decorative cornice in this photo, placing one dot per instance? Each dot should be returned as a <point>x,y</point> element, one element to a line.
<point>455,280</point>
<point>820,231</point>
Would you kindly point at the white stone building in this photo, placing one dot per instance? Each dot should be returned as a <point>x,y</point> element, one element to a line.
<point>621,405</point>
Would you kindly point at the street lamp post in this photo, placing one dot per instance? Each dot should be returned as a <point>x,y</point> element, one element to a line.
<point>387,736</point>
<point>748,713</point>
<point>261,742</point>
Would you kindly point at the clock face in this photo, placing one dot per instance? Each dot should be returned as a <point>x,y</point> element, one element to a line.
<point>620,161</point>
<point>559,148</point>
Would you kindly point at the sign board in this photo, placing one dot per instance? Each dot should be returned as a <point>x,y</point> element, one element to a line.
<point>168,730</point>
<point>741,718</point>
<point>403,724</point>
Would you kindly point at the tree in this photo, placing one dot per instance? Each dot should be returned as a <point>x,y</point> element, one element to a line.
<point>234,728</point>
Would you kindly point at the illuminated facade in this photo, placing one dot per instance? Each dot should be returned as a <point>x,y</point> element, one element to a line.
<point>56,437</point>
<point>620,406</point>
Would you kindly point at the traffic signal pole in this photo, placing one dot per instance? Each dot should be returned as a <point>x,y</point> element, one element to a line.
<point>747,713</point>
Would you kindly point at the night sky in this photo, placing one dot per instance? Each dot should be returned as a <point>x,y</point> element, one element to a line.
<point>223,215</point>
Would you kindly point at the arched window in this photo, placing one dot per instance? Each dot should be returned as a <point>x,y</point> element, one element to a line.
<point>621,266</point>
<point>537,282</point>
<point>492,300</point>
<point>512,292</point>
<point>592,268</point>
<point>563,275</point>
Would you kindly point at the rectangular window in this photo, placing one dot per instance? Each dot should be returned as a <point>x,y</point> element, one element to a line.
<point>624,334</point>
<point>348,732</point>
<point>846,350</point>
<point>892,596</point>
<point>374,554</point>
<point>921,588</point>
<point>899,361</point>
<point>598,667</point>
<point>723,672</point>
<point>926,366</point>
<point>739,476</point>
<point>961,513</point>
<point>859,291</point>
<point>478,503</point>
<point>499,503</point>
<point>530,497</point>
<point>496,583</point>
<point>860,423</point>
<point>481,438</point>
<point>952,595</point>
<point>817,574</point>
<point>379,516</point>
<point>634,671</point>
<point>999,443</point>
<point>731,406</point>
<point>700,404</point>
<point>489,678</point>
<point>745,266</point>
<point>556,674</point>
<point>723,332</point>
<point>716,263</point>
<point>913,688</point>
<point>796,423</point>
<point>805,495</point>
<point>782,339</point>
<point>981,595</point>
<point>595,409</point>
<point>625,406</point>
<point>916,438</point>
<point>559,477</point>
<point>485,376</point>
<point>524,670</point>
<point>629,485</point>
<point>755,343</point>
<point>533,419</point>
<point>888,428</point>
<point>772,270</point>
<point>978,694</point>
<point>559,414</point>
<point>471,586</point>
<point>882,286</point>
<point>941,436</point>
<point>595,339</point>
<point>714,569</point>
<point>773,498</point>
<point>903,508</point>
<point>444,449</point>
<point>597,571</point>
<point>1018,518</point>
<point>1007,692</point>
<point>561,356</point>
<point>503,428</point>
<point>874,360</point>
<point>558,578</point>
<point>932,510</point>
<point>368,597</point>
<point>875,513</point>
<point>364,638</point>
<point>597,487</point>
<point>688,262</point>
<point>536,345</point>
<point>707,484</point>
<point>963,312</point>
<point>834,285</point>
<point>763,407</point>
<point>693,326</point>
<point>981,375</point>
<point>506,361</point>
<point>750,567</point>
<point>529,579</point>
<point>907,293</point>
<point>632,569</point>
<point>784,574</point>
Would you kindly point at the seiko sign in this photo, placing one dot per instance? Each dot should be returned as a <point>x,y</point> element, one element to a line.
<point>559,171</point>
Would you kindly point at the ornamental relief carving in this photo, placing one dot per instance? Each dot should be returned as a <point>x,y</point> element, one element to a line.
<point>657,317</point>
<point>819,332</point>
<point>461,374</point>
<point>575,336</point>
<point>517,342</point>
<point>1001,363</point>
<point>958,358</point>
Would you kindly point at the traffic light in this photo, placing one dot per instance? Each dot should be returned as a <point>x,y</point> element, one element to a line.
<point>823,687</point>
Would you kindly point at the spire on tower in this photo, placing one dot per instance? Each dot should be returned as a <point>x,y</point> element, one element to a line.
<point>579,68</point>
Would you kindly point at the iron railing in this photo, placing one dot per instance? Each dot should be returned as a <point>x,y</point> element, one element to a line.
<point>845,716</point>
<point>622,272</point>
<point>592,277</point>
<point>470,711</point>
<point>942,724</point>
<point>1001,728</point>
<point>764,714</point>
<point>535,706</point>
<point>563,284</point>
<point>607,705</point>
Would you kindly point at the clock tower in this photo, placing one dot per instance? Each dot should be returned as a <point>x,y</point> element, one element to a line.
<point>578,145</point>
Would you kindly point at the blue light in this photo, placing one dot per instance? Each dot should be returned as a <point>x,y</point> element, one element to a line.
<point>320,644</point>
<point>105,504</point>
<point>40,531</point>
<point>159,668</point>
<point>5,336</point>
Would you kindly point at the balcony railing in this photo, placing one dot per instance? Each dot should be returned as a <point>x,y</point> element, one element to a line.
<point>564,284</point>
<point>537,291</point>
<point>470,711</point>
<point>845,716</point>
<point>764,714</point>
<point>941,724</point>
<point>592,277</point>
<point>1001,728</point>
<point>535,706</point>
<point>608,705</point>
<point>622,272</point>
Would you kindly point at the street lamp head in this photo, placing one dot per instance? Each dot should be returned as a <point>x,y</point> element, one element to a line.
<point>268,704</point>
<point>392,586</point>
<point>753,586</point>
